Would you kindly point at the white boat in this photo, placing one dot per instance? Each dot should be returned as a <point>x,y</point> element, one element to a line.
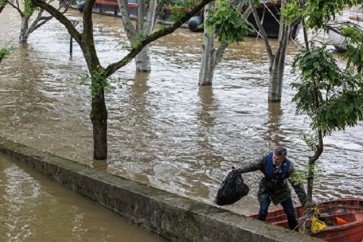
<point>355,19</point>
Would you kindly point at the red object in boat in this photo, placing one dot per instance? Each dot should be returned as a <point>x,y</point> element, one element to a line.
<point>350,210</point>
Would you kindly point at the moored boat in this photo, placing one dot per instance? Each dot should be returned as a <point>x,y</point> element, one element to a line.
<point>343,219</point>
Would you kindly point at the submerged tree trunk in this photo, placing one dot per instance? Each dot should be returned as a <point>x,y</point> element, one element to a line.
<point>211,57</point>
<point>277,66</point>
<point>143,60</point>
<point>144,26</point>
<point>277,60</point>
<point>23,37</point>
<point>209,53</point>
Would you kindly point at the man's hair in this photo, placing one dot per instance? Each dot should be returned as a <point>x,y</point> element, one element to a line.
<point>280,151</point>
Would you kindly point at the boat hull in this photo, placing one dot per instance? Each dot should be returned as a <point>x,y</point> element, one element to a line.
<point>350,210</point>
<point>270,16</point>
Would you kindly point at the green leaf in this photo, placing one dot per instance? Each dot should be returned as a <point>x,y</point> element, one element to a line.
<point>331,97</point>
<point>227,23</point>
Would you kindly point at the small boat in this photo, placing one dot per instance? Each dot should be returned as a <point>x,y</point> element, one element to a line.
<point>343,217</point>
<point>355,19</point>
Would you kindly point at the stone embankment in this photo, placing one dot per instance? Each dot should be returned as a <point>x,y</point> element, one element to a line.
<point>171,216</point>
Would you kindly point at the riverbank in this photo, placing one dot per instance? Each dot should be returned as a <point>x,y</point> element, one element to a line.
<point>171,216</point>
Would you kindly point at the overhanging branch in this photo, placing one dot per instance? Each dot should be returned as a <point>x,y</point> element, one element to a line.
<point>154,36</point>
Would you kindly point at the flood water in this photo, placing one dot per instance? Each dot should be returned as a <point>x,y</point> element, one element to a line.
<point>35,208</point>
<point>164,130</point>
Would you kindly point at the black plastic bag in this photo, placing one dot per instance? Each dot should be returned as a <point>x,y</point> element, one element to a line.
<point>232,189</point>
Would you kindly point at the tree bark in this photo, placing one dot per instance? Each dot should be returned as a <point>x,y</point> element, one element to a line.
<point>23,37</point>
<point>277,60</point>
<point>144,26</point>
<point>210,56</point>
<point>143,60</point>
<point>278,65</point>
<point>99,121</point>
<point>98,75</point>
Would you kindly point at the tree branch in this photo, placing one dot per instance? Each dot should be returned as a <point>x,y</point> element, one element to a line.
<point>60,17</point>
<point>154,36</point>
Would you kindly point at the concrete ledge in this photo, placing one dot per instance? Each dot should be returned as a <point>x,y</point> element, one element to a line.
<point>171,216</point>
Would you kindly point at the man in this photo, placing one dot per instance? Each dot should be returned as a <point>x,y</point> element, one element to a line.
<point>277,169</point>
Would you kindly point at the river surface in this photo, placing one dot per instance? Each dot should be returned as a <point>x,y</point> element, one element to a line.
<point>34,208</point>
<point>164,130</point>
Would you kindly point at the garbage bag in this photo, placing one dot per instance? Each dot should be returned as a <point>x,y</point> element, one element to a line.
<point>232,189</point>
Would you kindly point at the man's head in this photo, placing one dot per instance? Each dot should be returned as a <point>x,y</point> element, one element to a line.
<point>279,155</point>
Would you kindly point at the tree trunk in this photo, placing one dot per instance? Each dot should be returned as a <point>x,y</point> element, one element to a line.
<point>23,37</point>
<point>277,66</point>
<point>98,74</point>
<point>143,60</point>
<point>99,121</point>
<point>144,26</point>
<point>210,56</point>
<point>311,168</point>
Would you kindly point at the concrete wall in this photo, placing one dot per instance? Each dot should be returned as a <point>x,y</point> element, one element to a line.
<point>173,217</point>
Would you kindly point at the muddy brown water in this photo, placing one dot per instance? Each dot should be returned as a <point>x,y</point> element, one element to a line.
<point>34,208</point>
<point>164,130</point>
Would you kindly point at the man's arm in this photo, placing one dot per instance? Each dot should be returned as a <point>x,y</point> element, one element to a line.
<point>253,166</point>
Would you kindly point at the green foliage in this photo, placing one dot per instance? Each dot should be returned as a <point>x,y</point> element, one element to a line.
<point>322,11</point>
<point>354,53</point>
<point>98,80</point>
<point>310,140</point>
<point>5,52</point>
<point>292,10</point>
<point>316,13</point>
<point>332,98</point>
<point>301,176</point>
<point>138,41</point>
<point>29,8</point>
<point>125,46</point>
<point>2,2</point>
<point>177,8</point>
<point>227,23</point>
